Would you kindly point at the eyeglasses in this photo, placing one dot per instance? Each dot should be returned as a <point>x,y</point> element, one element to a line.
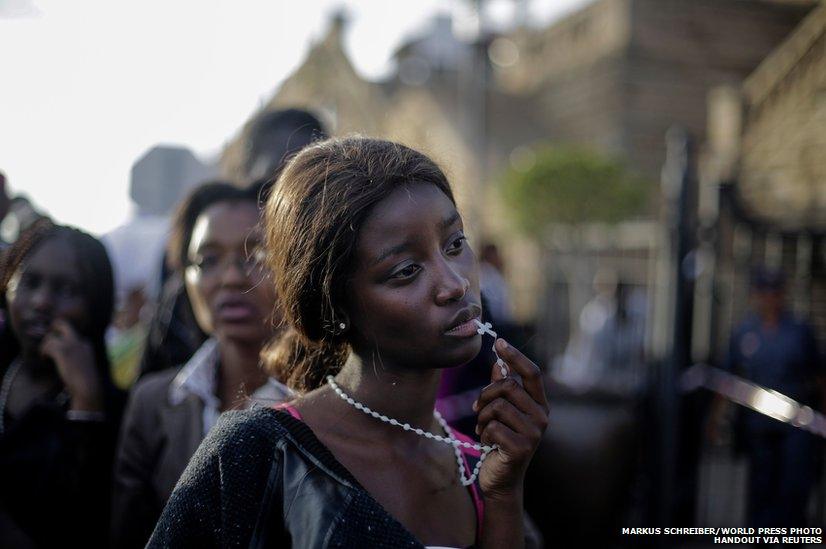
<point>209,264</point>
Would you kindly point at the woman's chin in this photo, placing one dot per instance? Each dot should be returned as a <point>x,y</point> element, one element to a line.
<point>465,352</point>
<point>246,333</point>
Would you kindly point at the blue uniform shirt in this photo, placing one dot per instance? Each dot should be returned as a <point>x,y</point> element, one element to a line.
<point>784,359</point>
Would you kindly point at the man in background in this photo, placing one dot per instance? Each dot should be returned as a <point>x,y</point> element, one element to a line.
<point>774,349</point>
<point>274,137</point>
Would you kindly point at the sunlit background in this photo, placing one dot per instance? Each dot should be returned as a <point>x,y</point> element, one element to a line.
<point>88,86</point>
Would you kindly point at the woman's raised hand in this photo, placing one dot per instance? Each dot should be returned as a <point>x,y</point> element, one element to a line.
<point>74,359</point>
<point>514,416</point>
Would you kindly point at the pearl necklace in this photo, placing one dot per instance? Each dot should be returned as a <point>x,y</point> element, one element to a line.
<point>449,439</point>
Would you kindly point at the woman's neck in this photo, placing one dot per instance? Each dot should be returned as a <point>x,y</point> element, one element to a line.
<point>408,396</point>
<point>240,373</point>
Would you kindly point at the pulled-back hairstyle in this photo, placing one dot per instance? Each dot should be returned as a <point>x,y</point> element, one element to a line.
<point>312,222</point>
<point>96,285</point>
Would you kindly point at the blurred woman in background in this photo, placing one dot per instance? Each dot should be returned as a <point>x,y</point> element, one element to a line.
<point>215,249</point>
<point>59,410</point>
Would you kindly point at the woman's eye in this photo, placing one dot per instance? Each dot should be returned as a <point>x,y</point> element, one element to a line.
<point>406,272</point>
<point>206,262</point>
<point>29,281</point>
<point>457,244</point>
<point>68,290</point>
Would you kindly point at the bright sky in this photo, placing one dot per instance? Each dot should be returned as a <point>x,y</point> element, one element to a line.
<point>87,86</point>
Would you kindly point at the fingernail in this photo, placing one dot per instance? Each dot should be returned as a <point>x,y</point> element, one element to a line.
<point>476,429</point>
<point>475,405</point>
<point>503,345</point>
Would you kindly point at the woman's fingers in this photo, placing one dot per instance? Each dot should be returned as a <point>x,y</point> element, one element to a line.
<point>48,346</point>
<point>512,446</point>
<point>509,389</point>
<point>527,370</point>
<point>503,411</point>
<point>60,333</point>
<point>63,329</point>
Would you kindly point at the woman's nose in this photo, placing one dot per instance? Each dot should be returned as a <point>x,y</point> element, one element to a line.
<point>42,298</point>
<point>234,272</point>
<point>452,285</point>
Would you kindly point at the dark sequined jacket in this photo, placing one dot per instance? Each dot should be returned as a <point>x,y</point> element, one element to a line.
<point>234,490</point>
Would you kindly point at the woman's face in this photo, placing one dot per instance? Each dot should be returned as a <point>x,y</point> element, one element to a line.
<point>225,276</point>
<point>415,288</point>
<point>46,286</point>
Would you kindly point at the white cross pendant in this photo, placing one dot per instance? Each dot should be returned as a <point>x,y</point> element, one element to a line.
<point>487,328</point>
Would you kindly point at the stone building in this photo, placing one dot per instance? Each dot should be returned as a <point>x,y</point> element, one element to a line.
<point>783,166</point>
<point>619,73</point>
<point>767,146</point>
<point>614,75</point>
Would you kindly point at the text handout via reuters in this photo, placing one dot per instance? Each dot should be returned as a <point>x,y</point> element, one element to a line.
<point>751,536</point>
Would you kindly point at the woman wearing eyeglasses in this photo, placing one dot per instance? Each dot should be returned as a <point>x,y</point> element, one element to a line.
<point>215,249</point>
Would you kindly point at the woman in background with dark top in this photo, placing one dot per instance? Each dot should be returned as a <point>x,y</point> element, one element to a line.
<point>58,408</point>
<point>216,251</point>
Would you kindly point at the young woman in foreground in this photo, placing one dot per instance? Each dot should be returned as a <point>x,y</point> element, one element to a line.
<point>380,290</point>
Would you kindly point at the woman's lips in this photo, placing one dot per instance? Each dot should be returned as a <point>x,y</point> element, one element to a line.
<point>37,329</point>
<point>465,329</point>
<point>236,312</point>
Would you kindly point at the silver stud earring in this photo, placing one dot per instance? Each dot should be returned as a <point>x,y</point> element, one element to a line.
<point>337,328</point>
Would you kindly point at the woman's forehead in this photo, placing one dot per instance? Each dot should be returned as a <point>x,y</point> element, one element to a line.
<point>226,223</point>
<point>410,212</point>
<point>410,205</point>
<point>53,255</point>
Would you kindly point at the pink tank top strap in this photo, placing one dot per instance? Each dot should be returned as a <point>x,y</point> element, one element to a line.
<point>289,408</point>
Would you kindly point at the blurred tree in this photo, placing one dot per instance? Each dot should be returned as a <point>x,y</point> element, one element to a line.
<point>572,185</point>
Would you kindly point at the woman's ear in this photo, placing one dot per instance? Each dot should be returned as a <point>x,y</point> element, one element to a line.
<point>342,323</point>
<point>339,324</point>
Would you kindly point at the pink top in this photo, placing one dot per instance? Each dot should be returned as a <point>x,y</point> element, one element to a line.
<point>474,490</point>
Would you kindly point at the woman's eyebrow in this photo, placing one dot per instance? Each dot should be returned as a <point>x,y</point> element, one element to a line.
<point>206,246</point>
<point>391,251</point>
<point>449,220</point>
